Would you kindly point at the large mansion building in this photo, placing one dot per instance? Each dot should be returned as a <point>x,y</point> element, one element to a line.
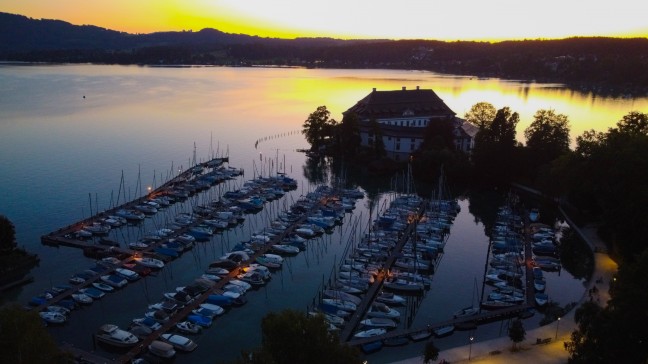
<point>403,115</point>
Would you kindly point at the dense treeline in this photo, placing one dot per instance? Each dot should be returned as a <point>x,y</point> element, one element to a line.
<point>602,65</point>
<point>15,262</point>
<point>604,177</point>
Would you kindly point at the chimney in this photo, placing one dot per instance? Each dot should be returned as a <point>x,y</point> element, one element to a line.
<point>374,89</point>
<point>404,88</point>
<point>417,87</point>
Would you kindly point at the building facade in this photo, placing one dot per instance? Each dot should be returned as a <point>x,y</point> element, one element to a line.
<point>403,116</point>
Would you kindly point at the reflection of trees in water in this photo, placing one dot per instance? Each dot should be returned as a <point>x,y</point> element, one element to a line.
<point>484,205</point>
<point>317,170</point>
<point>575,255</point>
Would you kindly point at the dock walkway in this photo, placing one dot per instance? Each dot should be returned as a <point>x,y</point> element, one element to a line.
<point>368,299</point>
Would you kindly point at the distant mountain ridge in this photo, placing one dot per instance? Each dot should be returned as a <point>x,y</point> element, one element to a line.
<point>598,64</point>
<point>19,33</point>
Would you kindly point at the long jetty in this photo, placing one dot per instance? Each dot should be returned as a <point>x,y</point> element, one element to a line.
<point>369,297</point>
<point>62,236</point>
<point>216,288</point>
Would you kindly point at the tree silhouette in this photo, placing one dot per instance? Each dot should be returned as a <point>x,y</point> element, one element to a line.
<point>430,352</point>
<point>547,137</point>
<point>516,332</point>
<point>23,339</point>
<point>481,114</point>
<point>318,127</point>
<point>7,234</point>
<point>290,336</point>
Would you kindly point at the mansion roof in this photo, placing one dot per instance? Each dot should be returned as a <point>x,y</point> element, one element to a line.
<point>401,103</point>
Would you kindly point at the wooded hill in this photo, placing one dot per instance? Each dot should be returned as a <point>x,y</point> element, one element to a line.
<point>615,65</point>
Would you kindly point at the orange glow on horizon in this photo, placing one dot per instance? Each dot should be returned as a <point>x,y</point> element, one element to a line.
<point>360,19</point>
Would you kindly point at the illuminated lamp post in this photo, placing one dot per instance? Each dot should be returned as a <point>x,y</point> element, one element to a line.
<point>470,348</point>
<point>557,324</point>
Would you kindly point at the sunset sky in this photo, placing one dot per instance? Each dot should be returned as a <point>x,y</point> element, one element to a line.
<point>403,19</point>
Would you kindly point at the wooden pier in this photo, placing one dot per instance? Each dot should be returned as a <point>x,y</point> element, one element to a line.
<point>481,318</point>
<point>62,236</point>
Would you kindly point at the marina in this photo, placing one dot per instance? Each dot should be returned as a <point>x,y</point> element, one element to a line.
<point>402,248</point>
<point>58,190</point>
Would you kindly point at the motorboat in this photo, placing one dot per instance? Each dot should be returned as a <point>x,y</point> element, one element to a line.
<point>340,304</point>
<point>211,277</point>
<point>94,293</point>
<point>149,262</point>
<point>102,286</point>
<point>443,330</point>
<point>181,297</point>
<point>53,317</point>
<point>130,215</point>
<point>370,333</point>
<point>420,336</point>
<point>496,305</point>
<point>254,278</point>
<point>379,322</point>
<point>217,271</point>
<point>496,296</point>
<point>179,342</point>
<point>114,280</point>
<point>146,209</point>
<point>224,263</point>
<point>147,322</point>
<point>220,300</point>
<point>331,293</point>
<point>404,286</point>
<point>212,307</point>
<point>268,262</point>
<point>160,316</point>
<point>466,311</point>
<point>138,245</point>
<point>378,309</point>
<point>97,228</point>
<point>258,268</point>
<point>170,307</point>
<point>140,331</point>
<point>60,309</point>
<point>541,299</point>
<point>207,312</point>
<point>234,288</point>
<point>390,298</point>
<point>128,274</point>
<point>82,298</point>
<point>161,349</point>
<point>330,318</point>
<point>285,249</point>
<point>112,335</point>
<point>188,327</point>
<point>202,321</point>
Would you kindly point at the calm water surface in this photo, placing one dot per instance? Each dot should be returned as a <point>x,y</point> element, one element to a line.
<point>68,133</point>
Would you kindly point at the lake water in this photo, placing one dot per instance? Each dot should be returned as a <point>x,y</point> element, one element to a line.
<point>68,133</point>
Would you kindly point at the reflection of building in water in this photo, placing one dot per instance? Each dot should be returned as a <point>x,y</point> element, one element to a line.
<point>403,116</point>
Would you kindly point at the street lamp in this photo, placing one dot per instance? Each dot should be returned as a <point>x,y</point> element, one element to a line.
<point>557,324</point>
<point>470,348</point>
